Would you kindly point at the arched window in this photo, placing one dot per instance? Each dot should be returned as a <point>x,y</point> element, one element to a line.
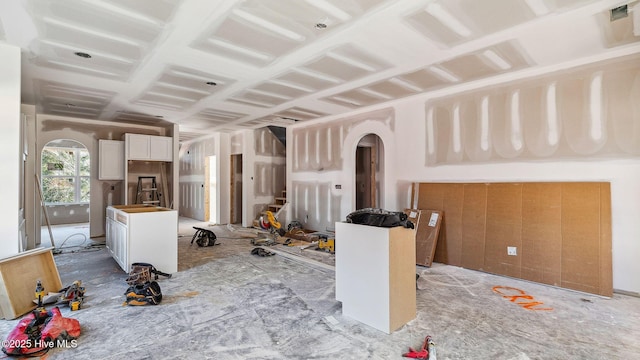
<point>65,169</point>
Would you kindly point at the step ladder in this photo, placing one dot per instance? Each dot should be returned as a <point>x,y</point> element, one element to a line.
<point>147,191</point>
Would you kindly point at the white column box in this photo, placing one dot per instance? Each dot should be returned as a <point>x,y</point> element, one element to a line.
<point>376,274</point>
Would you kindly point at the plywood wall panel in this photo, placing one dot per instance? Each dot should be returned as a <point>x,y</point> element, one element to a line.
<point>581,236</point>
<point>431,196</point>
<point>447,198</point>
<point>473,225</point>
<point>541,233</point>
<point>605,256</point>
<point>562,231</point>
<point>504,228</point>
<point>453,201</point>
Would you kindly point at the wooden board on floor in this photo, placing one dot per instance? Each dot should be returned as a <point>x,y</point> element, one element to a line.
<point>427,229</point>
<point>18,277</point>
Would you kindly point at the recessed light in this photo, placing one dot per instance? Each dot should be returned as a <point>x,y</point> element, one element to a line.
<point>211,83</point>
<point>83,55</point>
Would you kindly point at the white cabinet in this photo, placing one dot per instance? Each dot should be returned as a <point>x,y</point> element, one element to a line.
<point>149,147</point>
<point>143,234</point>
<point>116,235</point>
<point>111,160</point>
<point>161,148</point>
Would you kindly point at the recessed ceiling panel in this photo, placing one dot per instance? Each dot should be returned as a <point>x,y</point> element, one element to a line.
<point>150,10</point>
<point>219,116</point>
<point>392,88</point>
<point>455,21</point>
<point>284,89</point>
<point>179,87</point>
<point>353,99</point>
<point>115,37</point>
<point>298,113</point>
<point>100,18</point>
<point>259,98</point>
<point>194,80</point>
<point>166,101</point>
<point>137,117</point>
<point>93,42</point>
<point>468,67</point>
<point>259,31</point>
<point>63,56</point>
<point>244,101</point>
<point>433,29</point>
<point>347,63</point>
<point>70,100</point>
<point>423,78</point>
<point>307,79</point>
<point>490,61</point>
<point>489,16</point>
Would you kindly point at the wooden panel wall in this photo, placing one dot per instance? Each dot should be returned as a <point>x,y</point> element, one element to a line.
<point>562,231</point>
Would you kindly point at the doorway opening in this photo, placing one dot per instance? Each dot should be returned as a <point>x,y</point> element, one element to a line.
<point>235,214</point>
<point>211,190</point>
<point>369,169</point>
<point>64,184</point>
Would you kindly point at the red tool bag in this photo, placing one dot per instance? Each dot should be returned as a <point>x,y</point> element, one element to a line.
<point>41,330</point>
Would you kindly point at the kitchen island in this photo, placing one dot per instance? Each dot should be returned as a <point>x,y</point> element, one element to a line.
<point>143,233</point>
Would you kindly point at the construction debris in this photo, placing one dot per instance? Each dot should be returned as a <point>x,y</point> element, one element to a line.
<point>262,252</point>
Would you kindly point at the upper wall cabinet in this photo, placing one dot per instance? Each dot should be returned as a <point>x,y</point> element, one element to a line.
<point>149,147</point>
<point>111,164</point>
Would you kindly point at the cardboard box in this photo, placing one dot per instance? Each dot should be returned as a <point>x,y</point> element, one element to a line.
<point>427,228</point>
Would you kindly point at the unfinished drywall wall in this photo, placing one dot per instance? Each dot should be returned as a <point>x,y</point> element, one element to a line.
<point>86,132</point>
<point>263,173</point>
<point>323,176</point>
<point>66,214</point>
<point>426,154</point>
<point>192,158</point>
<point>591,112</point>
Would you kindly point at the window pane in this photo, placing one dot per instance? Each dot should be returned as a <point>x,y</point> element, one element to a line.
<point>58,190</point>
<point>85,163</point>
<point>84,189</point>
<point>57,161</point>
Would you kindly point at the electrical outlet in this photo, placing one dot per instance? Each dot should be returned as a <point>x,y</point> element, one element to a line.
<point>512,250</point>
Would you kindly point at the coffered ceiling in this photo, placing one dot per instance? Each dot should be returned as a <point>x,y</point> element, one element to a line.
<point>223,65</point>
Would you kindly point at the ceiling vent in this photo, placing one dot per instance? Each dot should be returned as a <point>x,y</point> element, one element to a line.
<point>619,13</point>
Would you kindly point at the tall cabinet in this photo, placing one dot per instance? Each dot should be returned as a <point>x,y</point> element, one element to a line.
<point>148,156</point>
<point>137,155</point>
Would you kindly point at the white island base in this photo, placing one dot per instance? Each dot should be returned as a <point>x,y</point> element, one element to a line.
<point>138,233</point>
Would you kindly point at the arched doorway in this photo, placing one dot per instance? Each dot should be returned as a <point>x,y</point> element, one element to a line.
<point>64,180</point>
<point>369,170</point>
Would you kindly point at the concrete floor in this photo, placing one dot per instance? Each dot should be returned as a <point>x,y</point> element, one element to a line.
<point>225,303</point>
